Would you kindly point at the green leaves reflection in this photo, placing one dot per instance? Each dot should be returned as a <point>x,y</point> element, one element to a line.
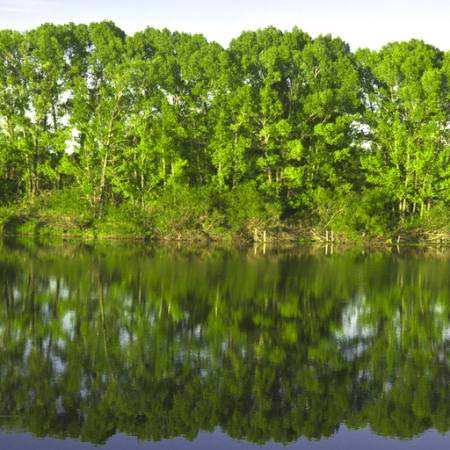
<point>160,343</point>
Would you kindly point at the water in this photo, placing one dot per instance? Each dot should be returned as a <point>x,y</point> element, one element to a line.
<point>129,346</point>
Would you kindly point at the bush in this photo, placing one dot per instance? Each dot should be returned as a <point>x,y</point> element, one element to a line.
<point>187,212</point>
<point>247,209</point>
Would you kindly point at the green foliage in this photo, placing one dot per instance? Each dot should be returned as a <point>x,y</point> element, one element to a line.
<point>183,211</point>
<point>277,129</point>
<point>257,213</point>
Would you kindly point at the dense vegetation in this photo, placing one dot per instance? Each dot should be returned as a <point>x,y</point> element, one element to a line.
<point>168,135</point>
<point>98,340</point>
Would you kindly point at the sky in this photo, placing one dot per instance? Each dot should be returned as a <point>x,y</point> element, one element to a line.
<point>359,22</point>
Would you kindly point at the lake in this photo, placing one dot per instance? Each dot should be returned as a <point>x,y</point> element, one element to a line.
<point>124,345</point>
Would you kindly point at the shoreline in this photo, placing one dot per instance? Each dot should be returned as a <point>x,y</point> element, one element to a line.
<point>273,241</point>
<point>42,223</point>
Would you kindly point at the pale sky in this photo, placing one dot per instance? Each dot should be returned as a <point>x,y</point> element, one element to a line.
<point>361,23</point>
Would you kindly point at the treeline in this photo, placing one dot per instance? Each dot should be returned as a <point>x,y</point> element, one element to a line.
<point>157,344</point>
<point>167,134</point>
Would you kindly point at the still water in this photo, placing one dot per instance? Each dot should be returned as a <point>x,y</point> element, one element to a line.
<point>125,346</point>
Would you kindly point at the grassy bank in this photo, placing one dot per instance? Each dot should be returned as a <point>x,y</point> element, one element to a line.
<point>189,220</point>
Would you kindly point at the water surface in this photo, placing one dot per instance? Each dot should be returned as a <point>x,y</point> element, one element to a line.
<point>129,346</point>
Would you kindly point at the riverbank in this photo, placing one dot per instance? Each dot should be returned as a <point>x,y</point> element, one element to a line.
<point>118,225</point>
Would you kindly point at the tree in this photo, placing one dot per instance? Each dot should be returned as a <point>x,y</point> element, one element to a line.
<point>407,115</point>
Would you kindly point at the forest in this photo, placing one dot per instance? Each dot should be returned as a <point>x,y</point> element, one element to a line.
<point>166,135</point>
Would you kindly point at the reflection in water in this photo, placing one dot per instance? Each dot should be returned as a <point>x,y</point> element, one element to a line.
<point>163,343</point>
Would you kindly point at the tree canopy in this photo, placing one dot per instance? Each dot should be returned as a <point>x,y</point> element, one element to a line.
<point>168,133</point>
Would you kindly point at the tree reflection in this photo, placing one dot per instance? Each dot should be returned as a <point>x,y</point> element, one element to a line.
<point>161,343</point>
